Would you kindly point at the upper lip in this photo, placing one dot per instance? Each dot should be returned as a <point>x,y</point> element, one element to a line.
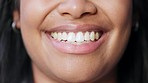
<point>78,27</point>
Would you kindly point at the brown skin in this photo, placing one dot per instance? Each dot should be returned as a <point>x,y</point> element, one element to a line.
<point>52,66</point>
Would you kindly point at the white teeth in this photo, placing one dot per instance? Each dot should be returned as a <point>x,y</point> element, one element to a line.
<point>97,35</point>
<point>64,36</point>
<point>86,36</point>
<point>71,37</point>
<point>79,37</point>
<point>54,35</point>
<point>92,36</point>
<point>59,36</point>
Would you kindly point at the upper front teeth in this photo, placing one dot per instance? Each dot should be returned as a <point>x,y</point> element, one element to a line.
<point>78,37</point>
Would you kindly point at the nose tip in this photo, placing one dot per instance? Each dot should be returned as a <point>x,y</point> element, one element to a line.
<point>76,8</point>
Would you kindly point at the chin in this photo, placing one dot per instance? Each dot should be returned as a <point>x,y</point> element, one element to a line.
<point>78,79</point>
<point>80,76</point>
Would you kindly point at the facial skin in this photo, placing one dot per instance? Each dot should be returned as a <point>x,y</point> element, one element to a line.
<point>53,66</point>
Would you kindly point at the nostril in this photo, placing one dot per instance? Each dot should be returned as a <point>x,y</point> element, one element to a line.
<point>86,14</point>
<point>65,13</point>
<point>76,8</point>
<point>77,16</point>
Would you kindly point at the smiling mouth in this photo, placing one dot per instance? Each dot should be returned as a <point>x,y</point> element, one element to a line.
<point>76,39</point>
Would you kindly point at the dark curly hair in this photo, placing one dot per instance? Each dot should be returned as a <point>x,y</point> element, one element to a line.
<point>15,64</point>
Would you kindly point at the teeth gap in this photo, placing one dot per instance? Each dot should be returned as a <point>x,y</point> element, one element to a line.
<point>79,37</point>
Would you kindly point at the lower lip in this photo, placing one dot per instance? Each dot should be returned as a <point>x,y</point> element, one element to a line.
<point>69,48</point>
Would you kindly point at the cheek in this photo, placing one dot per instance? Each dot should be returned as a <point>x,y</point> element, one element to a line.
<point>31,13</point>
<point>31,17</point>
<point>34,12</point>
<point>118,11</point>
